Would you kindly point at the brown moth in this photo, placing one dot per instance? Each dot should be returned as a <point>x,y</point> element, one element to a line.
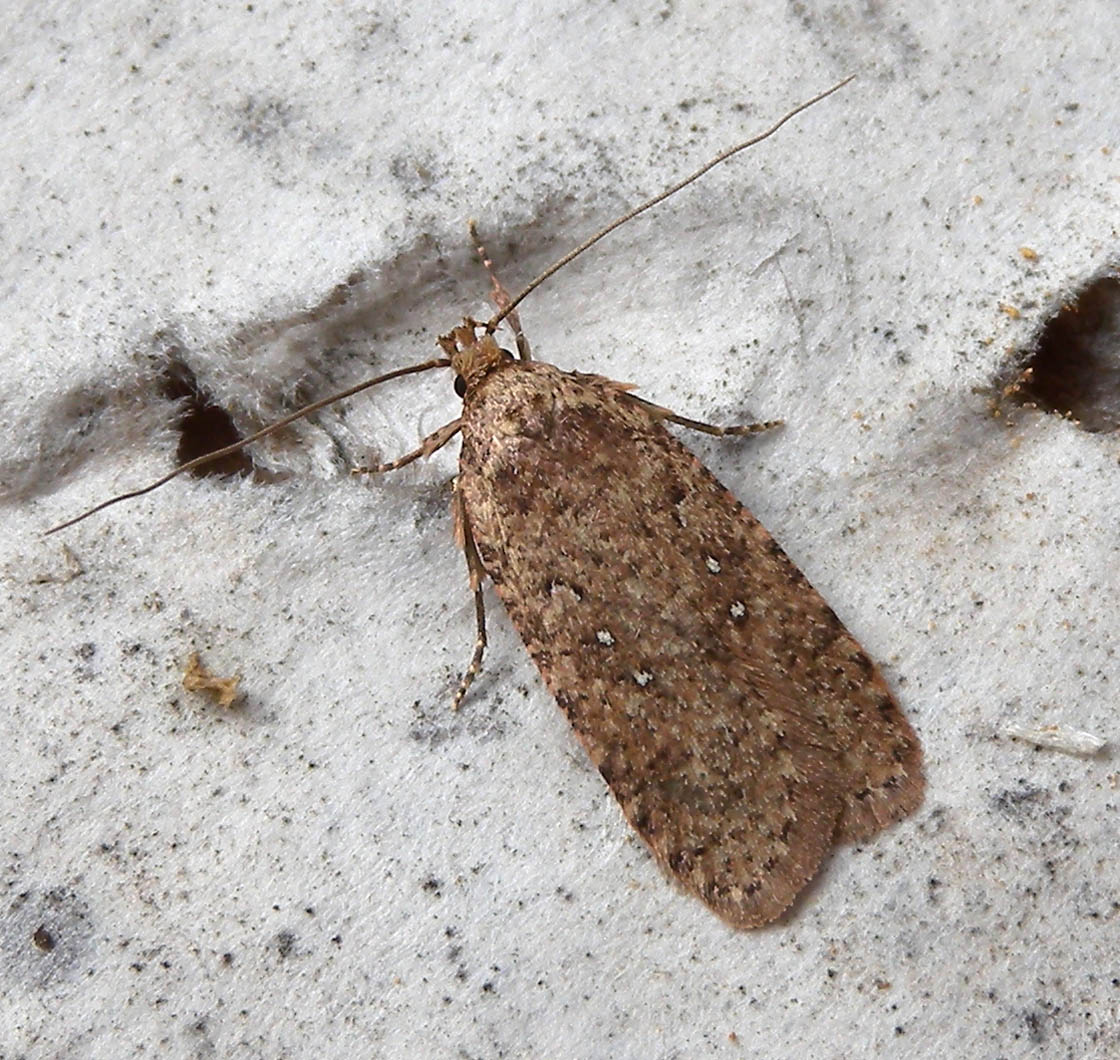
<point>740,726</point>
<point>738,723</point>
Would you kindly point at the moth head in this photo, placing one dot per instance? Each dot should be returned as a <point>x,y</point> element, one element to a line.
<point>473,356</point>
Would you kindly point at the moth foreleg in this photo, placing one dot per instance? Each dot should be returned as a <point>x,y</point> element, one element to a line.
<point>475,574</point>
<point>435,440</point>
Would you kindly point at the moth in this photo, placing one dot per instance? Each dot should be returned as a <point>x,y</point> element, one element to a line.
<point>739,725</point>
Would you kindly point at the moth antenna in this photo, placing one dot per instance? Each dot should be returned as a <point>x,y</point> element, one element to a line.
<point>556,266</point>
<point>299,414</point>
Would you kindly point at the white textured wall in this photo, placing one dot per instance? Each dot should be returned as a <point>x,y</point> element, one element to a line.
<point>344,868</point>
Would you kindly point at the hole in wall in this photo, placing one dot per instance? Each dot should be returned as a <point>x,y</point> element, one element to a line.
<point>204,425</point>
<point>1074,367</point>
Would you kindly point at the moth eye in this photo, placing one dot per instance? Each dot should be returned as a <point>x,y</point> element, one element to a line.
<point>506,354</point>
<point>460,386</point>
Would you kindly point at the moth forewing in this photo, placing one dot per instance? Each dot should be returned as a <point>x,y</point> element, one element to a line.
<point>740,726</point>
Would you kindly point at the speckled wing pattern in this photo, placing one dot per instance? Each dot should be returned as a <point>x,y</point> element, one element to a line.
<point>740,726</point>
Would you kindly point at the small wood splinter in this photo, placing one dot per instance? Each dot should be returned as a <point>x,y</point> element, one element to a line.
<point>740,726</point>
<point>196,678</point>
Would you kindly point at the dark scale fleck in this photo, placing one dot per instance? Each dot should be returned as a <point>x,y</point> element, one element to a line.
<point>825,635</point>
<point>863,661</point>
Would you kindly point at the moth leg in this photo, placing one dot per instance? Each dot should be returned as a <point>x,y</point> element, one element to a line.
<point>663,413</point>
<point>500,296</point>
<point>475,573</point>
<point>435,440</point>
